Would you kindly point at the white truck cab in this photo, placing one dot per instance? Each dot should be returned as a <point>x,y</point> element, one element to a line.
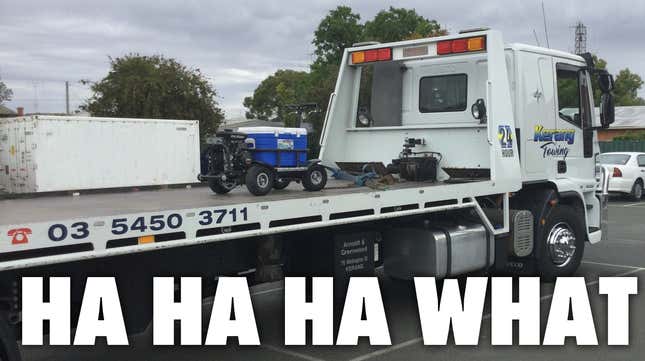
<point>513,126</point>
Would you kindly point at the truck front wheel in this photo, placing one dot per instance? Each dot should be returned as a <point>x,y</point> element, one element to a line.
<point>9,350</point>
<point>562,243</point>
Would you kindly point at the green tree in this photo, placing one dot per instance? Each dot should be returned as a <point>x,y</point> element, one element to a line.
<point>282,88</point>
<point>397,24</point>
<point>626,88</point>
<point>337,31</point>
<point>155,87</point>
<point>599,64</point>
<point>5,93</point>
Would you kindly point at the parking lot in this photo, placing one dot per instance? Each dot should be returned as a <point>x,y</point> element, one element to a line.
<point>623,254</point>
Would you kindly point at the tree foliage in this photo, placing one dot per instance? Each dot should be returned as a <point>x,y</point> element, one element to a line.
<point>632,135</point>
<point>626,88</point>
<point>282,88</point>
<point>397,24</point>
<point>155,87</point>
<point>337,31</point>
<point>5,93</point>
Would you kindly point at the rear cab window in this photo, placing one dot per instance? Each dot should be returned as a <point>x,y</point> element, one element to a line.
<point>443,93</point>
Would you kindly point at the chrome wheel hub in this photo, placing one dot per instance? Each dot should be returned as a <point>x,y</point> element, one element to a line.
<point>561,243</point>
<point>638,191</point>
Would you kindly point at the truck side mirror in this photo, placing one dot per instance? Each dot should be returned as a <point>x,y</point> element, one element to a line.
<point>605,82</point>
<point>606,109</point>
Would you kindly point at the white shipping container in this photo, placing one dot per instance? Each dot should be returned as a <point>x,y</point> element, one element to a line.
<point>57,153</point>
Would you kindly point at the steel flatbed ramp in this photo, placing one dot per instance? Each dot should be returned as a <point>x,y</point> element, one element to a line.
<point>54,229</point>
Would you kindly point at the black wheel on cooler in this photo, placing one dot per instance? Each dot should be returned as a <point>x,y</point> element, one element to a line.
<point>281,183</point>
<point>221,187</point>
<point>259,180</point>
<point>562,242</point>
<point>315,178</point>
<point>9,350</point>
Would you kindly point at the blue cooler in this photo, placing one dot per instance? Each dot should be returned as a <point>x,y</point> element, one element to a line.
<point>278,144</point>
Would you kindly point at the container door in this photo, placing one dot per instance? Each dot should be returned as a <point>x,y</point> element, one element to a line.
<point>21,163</point>
<point>14,153</point>
<point>4,156</point>
<point>28,163</point>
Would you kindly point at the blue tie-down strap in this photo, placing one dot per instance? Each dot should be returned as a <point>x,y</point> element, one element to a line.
<point>359,179</point>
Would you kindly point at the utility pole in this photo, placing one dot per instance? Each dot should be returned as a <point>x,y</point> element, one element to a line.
<point>67,97</point>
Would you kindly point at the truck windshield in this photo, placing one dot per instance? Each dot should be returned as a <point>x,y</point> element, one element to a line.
<point>619,159</point>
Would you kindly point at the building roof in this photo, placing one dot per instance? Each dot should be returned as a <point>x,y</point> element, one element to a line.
<point>6,112</point>
<point>628,117</point>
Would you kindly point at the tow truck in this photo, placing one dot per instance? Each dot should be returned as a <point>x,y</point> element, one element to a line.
<point>517,188</point>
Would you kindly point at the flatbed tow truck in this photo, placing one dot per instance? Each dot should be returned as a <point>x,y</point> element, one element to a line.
<point>517,187</point>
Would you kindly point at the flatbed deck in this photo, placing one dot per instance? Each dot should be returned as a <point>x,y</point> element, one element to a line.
<point>47,208</point>
<point>55,229</point>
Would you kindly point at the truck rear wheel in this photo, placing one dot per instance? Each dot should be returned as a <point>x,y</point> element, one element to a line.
<point>221,187</point>
<point>562,243</point>
<point>259,180</point>
<point>9,350</point>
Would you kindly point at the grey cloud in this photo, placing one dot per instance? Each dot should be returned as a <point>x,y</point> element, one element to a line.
<point>236,44</point>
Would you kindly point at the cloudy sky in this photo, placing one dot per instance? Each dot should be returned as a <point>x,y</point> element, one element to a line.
<point>238,43</point>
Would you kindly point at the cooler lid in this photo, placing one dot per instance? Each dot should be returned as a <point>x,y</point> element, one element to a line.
<point>272,130</point>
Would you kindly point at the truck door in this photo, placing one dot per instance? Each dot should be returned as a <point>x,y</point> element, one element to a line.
<point>572,146</point>
<point>536,103</point>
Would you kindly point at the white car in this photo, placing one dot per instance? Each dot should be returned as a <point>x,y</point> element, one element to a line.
<point>626,172</point>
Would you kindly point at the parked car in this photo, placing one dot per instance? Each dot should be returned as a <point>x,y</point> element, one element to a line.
<point>626,173</point>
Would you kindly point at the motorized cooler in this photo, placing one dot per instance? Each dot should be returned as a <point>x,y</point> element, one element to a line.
<point>278,147</point>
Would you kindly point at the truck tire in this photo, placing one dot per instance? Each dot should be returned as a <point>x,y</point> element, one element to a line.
<point>9,350</point>
<point>315,178</point>
<point>637,191</point>
<point>281,183</point>
<point>562,242</point>
<point>221,187</point>
<point>259,180</point>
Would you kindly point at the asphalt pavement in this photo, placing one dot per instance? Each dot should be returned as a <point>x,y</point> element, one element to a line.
<point>623,254</point>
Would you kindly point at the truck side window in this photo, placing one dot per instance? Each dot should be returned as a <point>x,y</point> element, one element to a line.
<point>573,96</point>
<point>443,93</point>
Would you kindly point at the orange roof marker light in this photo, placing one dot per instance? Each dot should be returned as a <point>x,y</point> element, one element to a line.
<point>462,45</point>
<point>372,55</point>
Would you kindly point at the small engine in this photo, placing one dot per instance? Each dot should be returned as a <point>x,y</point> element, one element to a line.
<point>228,154</point>
<point>416,166</point>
